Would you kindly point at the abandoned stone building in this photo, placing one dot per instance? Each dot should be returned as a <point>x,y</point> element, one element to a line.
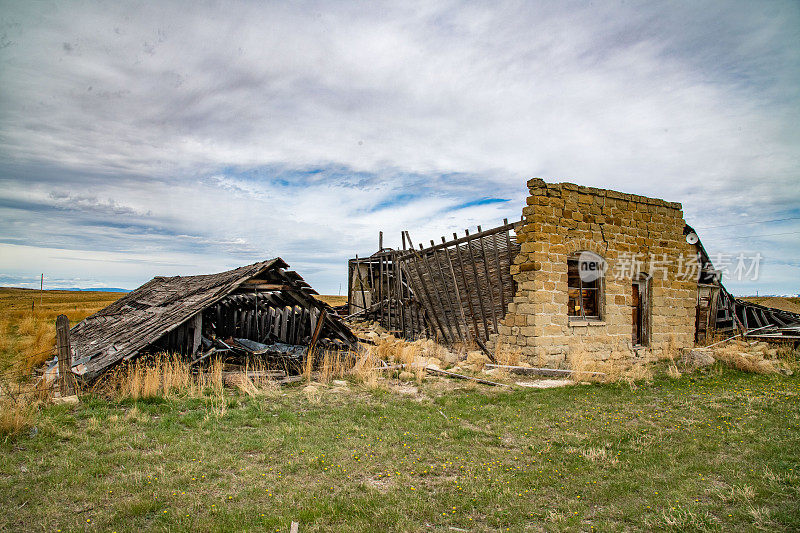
<point>599,272</point>
<point>589,272</point>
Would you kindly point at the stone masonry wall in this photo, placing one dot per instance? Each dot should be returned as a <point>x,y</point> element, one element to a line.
<point>562,219</point>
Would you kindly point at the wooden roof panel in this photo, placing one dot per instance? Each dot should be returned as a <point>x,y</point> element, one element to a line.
<point>138,319</point>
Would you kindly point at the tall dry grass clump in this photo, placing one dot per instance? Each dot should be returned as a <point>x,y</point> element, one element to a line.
<point>745,361</point>
<point>175,374</point>
<point>387,349</point>
<point>334,364</point>
<point>583,364</point>
<point>308,364</point>
<point>254,381</point>
<point>16,416</point>
<point>167,375</point>
<point>670,353</point>
<point>140,380</point>
<point>412,356</point>
<point>164,375</point>
<point>756,356</point>
<point>366,369</point>
<point>615,367</point>
<point>33,343</point>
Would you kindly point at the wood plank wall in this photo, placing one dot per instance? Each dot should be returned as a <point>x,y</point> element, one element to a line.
<point>456,291</point>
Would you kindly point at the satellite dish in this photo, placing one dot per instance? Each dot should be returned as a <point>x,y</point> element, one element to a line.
<point>692,238</point>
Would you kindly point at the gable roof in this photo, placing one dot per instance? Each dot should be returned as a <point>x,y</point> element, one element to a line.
<point>138,319</point>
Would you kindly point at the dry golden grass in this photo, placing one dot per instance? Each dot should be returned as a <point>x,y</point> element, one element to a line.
<point>386,349</point>
<point>308,364</point>
<point>325,365</point>
<point>615,367</point>
<point>162,376</point>
<point>334,364</point>
<point>169,376</point>
<point>671,355</point>
<point>254,381</point>
<point>27,327</point>
<point>747,362</point>
<point>405,353</point>
<point>366,369</point>
<point>332,300</point>
<point>15,415</point>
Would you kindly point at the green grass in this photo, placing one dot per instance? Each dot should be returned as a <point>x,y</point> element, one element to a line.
<point>718,451</point>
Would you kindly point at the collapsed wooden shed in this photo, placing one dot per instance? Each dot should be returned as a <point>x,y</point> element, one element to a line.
<point>456,290</point>
<point>260,308</point>
<point>718,311</point>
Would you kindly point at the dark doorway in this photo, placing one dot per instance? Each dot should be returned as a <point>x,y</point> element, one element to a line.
<point>640,312</point>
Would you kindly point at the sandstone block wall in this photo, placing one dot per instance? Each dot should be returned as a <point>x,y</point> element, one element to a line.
<point>562,219</point>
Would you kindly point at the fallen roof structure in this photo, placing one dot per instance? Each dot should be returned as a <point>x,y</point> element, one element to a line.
<point>719,311</point>
<point>262,303</point>
<point>456,290</point>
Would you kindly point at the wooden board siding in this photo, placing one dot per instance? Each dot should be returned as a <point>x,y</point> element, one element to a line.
<point>457,290</point>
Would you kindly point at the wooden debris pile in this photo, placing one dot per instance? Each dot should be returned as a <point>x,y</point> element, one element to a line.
<point>718,311</point>
<point>456,291</point>
<point>260,311</point>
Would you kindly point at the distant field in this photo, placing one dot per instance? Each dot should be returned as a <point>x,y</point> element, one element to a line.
<point>27,323</point>
<point>791,304</point>
<point>332,300</point>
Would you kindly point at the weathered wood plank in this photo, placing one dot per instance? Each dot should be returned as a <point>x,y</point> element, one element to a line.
<point>447,293</point>
<point>488,282</point>
<point>436,288</point>
<point>478,287</point>
<point>466,288</point>
<point>496,246</point>
<point>457,294</point>
<point>65,376</point>
<point>426,300</point>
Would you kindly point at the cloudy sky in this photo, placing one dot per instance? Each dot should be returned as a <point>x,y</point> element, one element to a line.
<point>163,138</point>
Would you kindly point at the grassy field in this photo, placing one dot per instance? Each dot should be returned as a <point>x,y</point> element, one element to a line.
<point>27,323</point>
<point>712,451</point>
<point>332,299</point>
<point>716,451</point>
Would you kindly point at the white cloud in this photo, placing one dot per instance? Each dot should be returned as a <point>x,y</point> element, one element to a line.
<point>174,127</point>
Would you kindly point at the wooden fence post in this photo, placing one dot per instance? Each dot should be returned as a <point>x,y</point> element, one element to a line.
<point>64,356</point>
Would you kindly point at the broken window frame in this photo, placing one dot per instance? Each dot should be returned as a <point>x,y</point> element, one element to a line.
<point>597,290</point>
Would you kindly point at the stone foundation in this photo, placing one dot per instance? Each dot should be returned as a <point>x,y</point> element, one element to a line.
<point>563,219</point>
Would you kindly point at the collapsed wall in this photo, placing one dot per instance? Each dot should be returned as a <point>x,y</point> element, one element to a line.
<point>643,301</point>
